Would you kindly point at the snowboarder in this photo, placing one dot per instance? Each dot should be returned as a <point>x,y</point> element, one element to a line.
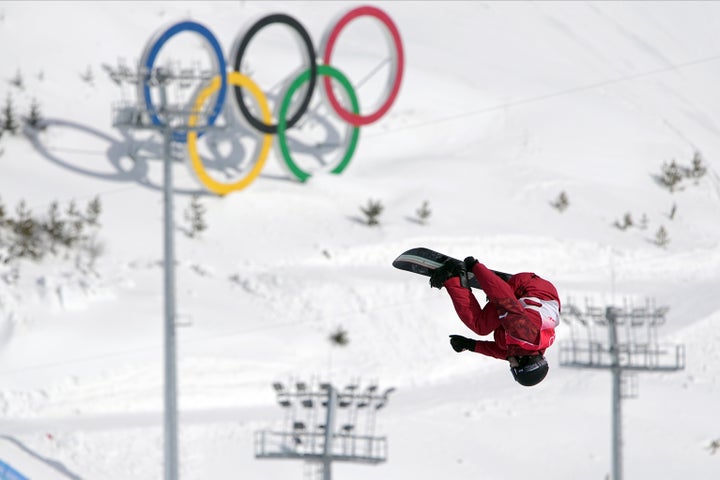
<point>522,313</point>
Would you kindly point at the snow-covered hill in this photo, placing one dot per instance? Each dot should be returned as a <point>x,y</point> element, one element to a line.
<point>503,106</point>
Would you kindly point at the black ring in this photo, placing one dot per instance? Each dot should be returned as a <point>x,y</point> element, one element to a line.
<point>297,26</point>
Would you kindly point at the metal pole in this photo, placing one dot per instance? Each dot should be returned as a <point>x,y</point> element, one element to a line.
<point>171,435</point>
<point>329,431</point>
<point>616,395</point>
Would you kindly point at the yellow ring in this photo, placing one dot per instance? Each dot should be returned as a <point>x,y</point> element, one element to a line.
<point>196,164</point>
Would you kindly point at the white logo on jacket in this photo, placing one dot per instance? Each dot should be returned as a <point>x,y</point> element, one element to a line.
<point>549,310</point>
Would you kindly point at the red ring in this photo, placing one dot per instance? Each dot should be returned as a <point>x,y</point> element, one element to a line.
<point>349,117</point>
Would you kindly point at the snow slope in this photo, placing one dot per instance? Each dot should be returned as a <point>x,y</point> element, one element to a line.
<point>503,106</point>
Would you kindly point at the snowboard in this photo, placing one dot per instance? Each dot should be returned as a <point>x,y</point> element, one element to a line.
<point>424,261</point>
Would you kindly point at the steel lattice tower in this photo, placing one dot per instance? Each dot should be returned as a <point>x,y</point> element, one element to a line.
<point>629,346</point>
<point>323,425</point>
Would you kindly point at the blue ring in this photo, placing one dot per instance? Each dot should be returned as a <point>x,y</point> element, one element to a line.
<point>220,99</point>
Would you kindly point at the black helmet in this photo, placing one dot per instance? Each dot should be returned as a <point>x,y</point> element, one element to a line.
<point>530,371</point>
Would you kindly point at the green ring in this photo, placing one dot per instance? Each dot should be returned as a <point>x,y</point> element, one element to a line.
<point>329,71</point>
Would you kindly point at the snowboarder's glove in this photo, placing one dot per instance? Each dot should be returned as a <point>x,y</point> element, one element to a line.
<point>470,263</point>
<point>460,343</point>
<point>451,268</point>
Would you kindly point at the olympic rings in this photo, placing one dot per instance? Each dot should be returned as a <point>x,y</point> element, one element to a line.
<point>397,64</point>
<point>239,51</point>
<point>284,120</point>
<point>148,59</point>
<point>196,164</point>
<point>281,127</point>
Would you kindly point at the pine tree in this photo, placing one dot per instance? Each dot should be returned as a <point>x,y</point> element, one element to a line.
<point>87,253</point>
<point>698,168</point>
<point>626,223</point>
<point>339,337</point>
<point>25,236</point>
<point>26,232</point>
<point>423,213</point>
<point>54,227</point>
<point>714,446</point>
<point>561,203</point>
<point>88,76</point>
<point>17,81</point>
<point>372,212</point>
<point>661,237</point>
<point>92,212</point>
<point>9,120</point>
<point>34,119</point>
<point>670,175</point>
<point>628,220</point>
<point>75,226</point>
<point>195,215</point>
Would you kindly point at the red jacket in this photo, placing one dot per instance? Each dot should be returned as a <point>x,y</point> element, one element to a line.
<point>521,313</point>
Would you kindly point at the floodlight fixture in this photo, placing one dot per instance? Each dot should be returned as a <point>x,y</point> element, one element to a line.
<point>333,440</point>
<point>623,353</point>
